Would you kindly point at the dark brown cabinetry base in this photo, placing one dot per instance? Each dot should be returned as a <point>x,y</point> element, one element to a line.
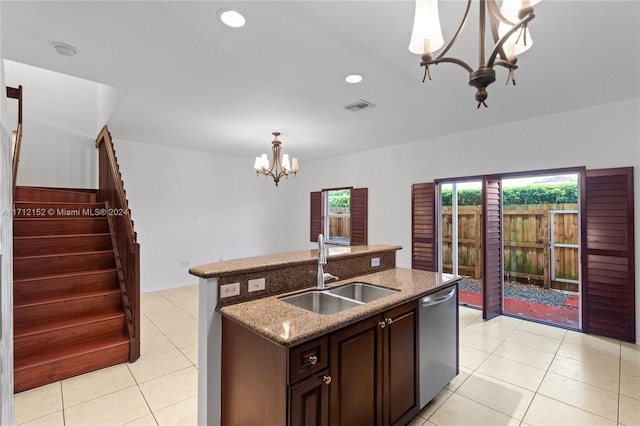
<point>365,373</point>
<point>309,401</point>
<point>374,370</point>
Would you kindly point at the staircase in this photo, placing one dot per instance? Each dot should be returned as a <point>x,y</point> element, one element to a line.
<point>68,305</point>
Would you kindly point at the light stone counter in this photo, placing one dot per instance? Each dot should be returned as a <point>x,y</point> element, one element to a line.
<point>290,325</point>
<point>271,261</point>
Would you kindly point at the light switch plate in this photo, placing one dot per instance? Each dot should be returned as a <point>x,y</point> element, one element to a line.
<point>229,290</point>
<point>257,284</point>
<point>375,261</point>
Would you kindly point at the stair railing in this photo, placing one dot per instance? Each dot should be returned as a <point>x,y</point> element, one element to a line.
<point>16,137</point>
<point>126,248</point>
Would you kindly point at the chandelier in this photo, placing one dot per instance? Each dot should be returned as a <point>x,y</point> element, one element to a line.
<point>278,167</point>
<point>508,27</point>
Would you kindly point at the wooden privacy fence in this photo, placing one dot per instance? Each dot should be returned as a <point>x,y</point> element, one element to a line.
<point>339,226</point>
<point>540,243</point>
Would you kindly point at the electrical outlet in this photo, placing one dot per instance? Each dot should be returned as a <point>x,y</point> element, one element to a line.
<point>375,261</point>
<point>185,263</point>
<point>257,284</point>
<point>229,290</point>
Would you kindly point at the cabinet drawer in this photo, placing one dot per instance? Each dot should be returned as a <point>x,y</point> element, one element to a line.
<point>307,359</point>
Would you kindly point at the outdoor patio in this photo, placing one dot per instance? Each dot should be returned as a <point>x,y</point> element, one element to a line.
<point>531,301</point>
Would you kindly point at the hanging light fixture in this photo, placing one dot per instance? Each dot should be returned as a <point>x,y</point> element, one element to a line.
<point>508,27</point>
<point>278,167</point>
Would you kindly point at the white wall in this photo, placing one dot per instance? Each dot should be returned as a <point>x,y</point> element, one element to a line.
<point>598,137</point>
<point>199,207</point>
<point>62,116</point>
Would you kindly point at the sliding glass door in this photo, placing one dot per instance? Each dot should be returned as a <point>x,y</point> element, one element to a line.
<point>460,236</point>
<point>541,248</point>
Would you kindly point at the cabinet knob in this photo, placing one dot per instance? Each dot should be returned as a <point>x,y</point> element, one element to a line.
<point>382,324</point>
<point>326,379</point>
<point>312,359</point>
<point>388,321</point>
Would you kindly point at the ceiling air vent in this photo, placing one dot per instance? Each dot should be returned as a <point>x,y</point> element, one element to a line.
<point>359,106</point>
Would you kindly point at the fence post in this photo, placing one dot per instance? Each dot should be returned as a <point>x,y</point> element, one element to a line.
<point>546,223</point>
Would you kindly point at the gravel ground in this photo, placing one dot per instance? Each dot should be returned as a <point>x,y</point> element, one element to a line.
<point>525,292</point>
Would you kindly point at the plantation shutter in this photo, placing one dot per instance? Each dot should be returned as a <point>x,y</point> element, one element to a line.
<point>608,293</point>
<point>423,235</point>
<point>359,203</point>
<point>315,226</point>
<point>492,247</point>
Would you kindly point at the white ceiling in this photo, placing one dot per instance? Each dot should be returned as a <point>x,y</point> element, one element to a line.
<point>192,82</point>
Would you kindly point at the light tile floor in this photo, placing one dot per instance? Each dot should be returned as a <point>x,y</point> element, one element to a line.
<point>513,372</point>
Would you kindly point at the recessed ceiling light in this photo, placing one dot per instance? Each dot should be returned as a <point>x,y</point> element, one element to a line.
<point>64,49</point>
<point>353,78</point>
<point>232,18</point>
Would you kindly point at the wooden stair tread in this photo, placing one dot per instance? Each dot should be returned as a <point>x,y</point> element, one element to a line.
<point>35,202</point>
<point>70,351</point>
<point>65,275</point>
<point>38,327</point>
<point>75,253</point>
<point>35,237</point>
<point>38,193</point>
<point>28,219</point>
<point>65,297</point>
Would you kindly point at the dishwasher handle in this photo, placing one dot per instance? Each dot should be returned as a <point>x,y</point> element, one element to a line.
<point>433,300</point>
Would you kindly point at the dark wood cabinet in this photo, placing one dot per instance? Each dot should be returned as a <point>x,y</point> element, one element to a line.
<point>363,374</point>
<point>309,401</point>
<point>356,374</point>
<point>374,370</point>
<point>401,362</point>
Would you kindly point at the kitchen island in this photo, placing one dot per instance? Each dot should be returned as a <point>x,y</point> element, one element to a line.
<point>282,326</point>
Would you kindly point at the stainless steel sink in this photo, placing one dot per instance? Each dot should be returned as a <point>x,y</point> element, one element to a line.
<point>337,299</point>
<point>321,302</point>
<point>362,292</point>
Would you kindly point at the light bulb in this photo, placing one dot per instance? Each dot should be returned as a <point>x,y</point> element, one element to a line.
<point>426,36</point>
<point>521,40</point>
<point>285,162</point>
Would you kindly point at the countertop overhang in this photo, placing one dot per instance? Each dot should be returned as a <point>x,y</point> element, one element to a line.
<point>289,325</point>
<point>273,261</point>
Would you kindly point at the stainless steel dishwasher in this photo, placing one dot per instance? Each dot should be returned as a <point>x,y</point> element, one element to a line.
<point>438,328</point>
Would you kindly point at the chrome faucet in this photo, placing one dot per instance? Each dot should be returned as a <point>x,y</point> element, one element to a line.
<point>322,260</point>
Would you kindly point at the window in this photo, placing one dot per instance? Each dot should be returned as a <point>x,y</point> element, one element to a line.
<point>340,214</point>
<point>337,211</point>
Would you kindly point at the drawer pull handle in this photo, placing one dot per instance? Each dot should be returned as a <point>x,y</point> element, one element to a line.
<point>389,321</point>
<point>326,379</point>
<point>312,360</point>
<point>382,324</point>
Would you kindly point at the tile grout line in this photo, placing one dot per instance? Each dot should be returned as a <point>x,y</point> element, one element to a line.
<point>582,383</point>
<point>153,414</point>
<point>543,377</point>
<point>493,352</point>
<point>176,305</point>
<point>619,383</point>
<point>64,417</point>
<point>476,370</point>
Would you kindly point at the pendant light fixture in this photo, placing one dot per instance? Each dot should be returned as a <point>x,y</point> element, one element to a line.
<point>278,167</point>
<point>508,26</point>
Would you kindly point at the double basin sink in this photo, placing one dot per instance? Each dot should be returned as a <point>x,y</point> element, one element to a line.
<point>337,299</point>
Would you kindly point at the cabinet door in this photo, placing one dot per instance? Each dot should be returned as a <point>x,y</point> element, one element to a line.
<point>401,364</point>
<point>356,374</point>
<point>309,401</point>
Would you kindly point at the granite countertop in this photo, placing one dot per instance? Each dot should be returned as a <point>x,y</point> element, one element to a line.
<point>258,263</point>
<point>290,325</point>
